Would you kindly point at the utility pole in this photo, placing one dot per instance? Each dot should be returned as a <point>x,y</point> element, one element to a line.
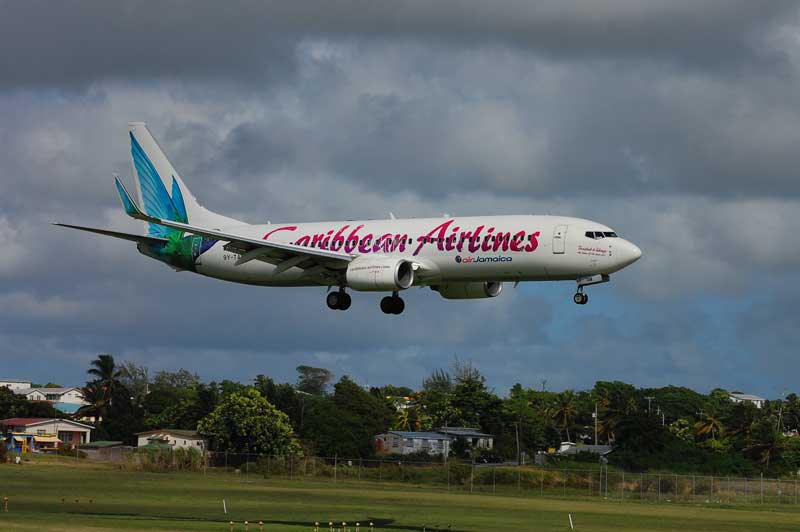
<point>649,398</point>
<point>595,422</point>
<point>516,430</point>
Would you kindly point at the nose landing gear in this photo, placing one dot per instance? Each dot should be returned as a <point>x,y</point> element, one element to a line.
<point>339,300</point>
<point>580,298</point>
<point>392,304</point>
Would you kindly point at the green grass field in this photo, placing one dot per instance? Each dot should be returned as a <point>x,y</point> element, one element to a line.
<point>125,500</point>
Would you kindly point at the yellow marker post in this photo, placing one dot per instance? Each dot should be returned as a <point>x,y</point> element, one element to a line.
<point>371,526</point>
<point>357,526</point>
<point>261,525</point>
<point>231,525</point>
<point>316,526</point>
<point>5,504</point>
<point>246,526</point>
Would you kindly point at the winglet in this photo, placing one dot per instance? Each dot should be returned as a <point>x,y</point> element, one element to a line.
<point>131,209</point>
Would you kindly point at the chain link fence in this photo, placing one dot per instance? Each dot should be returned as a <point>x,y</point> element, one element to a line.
<point>470,477</point>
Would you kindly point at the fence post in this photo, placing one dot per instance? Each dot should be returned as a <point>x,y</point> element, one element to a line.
<point>471,475</point>
<point>494,483</point>
<point>447,467</point>
<point>564,480</point>
<point>622,488</point>
<point>360,461</point>
<point>659,487</point>
<point>778,489</point>
<point>676,488</point>
<point>380,472</point>
<point>226,460</point>
<point>335,466</point>
<point>541,486</point>
<point>291,467</point>
<point>762,488</point>
<point>712,486</point>
<point>641,487</point>
<point>519,478</point>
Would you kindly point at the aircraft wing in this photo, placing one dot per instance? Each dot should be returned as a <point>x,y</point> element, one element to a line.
<point>315,261</point>
<point>116,234</point>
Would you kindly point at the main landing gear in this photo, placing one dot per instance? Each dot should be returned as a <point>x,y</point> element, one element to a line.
<point>392,304</point>
<point>339,300</point>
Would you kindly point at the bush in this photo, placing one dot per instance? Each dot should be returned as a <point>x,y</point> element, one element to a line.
<point>69,450</point>
<point>180,459</point>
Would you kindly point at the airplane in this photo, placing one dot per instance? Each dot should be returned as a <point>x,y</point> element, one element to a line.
<point>458,257</point>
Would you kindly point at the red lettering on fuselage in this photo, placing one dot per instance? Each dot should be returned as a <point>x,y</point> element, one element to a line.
<point>444,236</point>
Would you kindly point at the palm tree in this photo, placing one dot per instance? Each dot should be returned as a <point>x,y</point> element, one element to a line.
<point>563,412</point>
<point>105,371</point>
<point>98,392</point>
<point>708,425</point>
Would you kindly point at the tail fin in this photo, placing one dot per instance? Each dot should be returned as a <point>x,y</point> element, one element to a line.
<point>162,192</point>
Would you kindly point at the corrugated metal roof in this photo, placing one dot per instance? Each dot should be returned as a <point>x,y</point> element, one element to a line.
<point>463,431</point>
<point>420,435</point>
<point>747,397</point>
<point>183,433</point>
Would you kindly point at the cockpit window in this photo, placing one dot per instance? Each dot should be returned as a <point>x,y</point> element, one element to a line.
<point>600,234</point>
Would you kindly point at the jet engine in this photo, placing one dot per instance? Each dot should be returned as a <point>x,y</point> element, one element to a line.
<point>469,290</point>
<point>380,274</point>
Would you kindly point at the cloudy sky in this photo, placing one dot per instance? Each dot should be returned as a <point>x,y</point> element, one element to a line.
<point>675,122</point>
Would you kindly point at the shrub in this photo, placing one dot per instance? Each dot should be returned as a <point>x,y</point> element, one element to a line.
<point>69,450</point>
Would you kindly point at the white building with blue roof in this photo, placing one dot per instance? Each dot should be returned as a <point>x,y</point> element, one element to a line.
<point>406,442</point>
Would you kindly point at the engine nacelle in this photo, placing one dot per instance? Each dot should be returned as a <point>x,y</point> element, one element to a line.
<point>469,290</point>
<point>378,274</point>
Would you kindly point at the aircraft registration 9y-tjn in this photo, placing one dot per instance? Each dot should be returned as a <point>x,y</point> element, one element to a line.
<point>458,257</point>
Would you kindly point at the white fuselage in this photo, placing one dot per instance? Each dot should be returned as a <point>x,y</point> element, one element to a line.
<point>453,249</point>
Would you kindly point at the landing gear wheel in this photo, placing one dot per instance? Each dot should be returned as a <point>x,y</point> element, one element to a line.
<point>392,305</point>
<point>580,298</point>
<point>338,300</point>
<point>333,300</point>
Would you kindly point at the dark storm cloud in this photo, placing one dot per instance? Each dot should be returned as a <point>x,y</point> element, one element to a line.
<point>63,43</point>
<point>674,122</point>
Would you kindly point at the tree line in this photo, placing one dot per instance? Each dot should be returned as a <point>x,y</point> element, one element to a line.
<point>670,428</point>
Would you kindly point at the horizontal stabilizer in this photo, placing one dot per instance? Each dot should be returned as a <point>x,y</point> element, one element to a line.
<point>116,234</point>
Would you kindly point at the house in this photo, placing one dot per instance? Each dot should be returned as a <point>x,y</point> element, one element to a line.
<point>43,434</point>
<point>406,442</point>
<point>53,395</point>
<point>568,448</point>
<point>13,384</point>
<point>473,437</point>
<point>175,438</point>
<point>747,398</point>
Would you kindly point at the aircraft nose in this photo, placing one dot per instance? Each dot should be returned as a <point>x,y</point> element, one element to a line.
<point>629,253</point>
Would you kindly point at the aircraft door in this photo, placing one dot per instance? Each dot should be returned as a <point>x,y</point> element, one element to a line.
<point>559,238</point>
